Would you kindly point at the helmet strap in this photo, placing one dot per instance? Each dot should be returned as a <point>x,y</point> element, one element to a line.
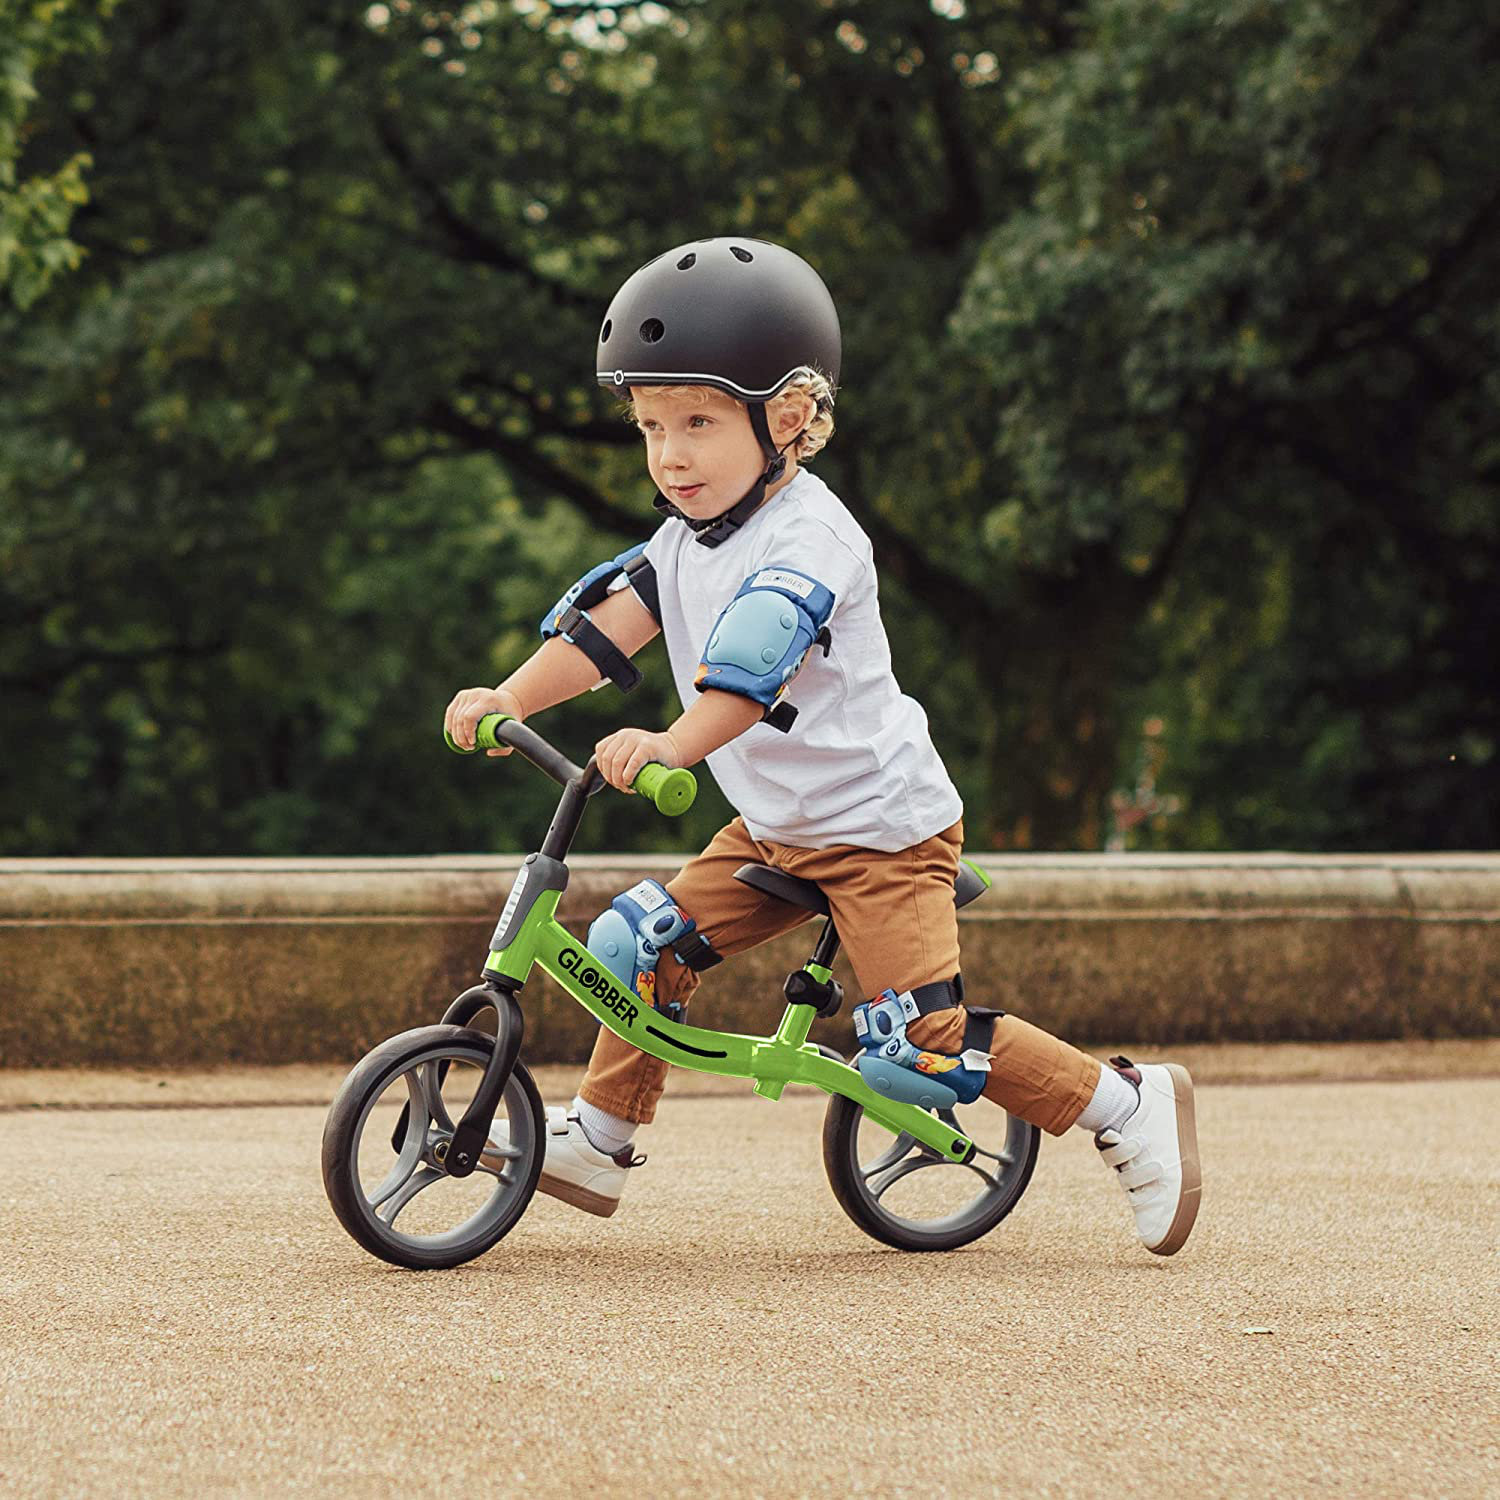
<point>714,530</point>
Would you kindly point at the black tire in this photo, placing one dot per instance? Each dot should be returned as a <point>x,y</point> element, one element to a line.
<point>1014,1163</point>
<point>401,1058</point>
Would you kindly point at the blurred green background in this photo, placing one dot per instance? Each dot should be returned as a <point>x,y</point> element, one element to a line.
<point>1169,400</point>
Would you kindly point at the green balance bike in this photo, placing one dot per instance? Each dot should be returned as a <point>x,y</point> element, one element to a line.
<point>402,1143</point>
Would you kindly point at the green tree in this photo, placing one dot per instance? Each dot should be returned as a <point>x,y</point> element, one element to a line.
<point>312,438</point>
<point>35,209</point>
<point>1244,342</point>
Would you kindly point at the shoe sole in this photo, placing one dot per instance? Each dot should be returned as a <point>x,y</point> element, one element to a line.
<point>579,1197</point>
<point>560,1187</point>
<point>1192,1175</point>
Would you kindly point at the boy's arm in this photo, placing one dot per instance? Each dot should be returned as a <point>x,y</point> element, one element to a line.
<point>714,720</point>
<point>555,672</point>
<point>559,670</point>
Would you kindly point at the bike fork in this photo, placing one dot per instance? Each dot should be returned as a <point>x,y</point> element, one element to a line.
<point>460,1154</point>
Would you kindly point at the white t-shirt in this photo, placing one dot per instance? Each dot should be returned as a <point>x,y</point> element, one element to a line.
<point>858,766</point>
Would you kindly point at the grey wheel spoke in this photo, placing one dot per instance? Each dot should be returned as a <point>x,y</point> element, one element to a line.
<point>892,1154</point>
<point>900,1170</point>
<point>432,1096</point>
<point>410,1155</point>
<point>409,1190</point>
<point>993,1183</point>
<point>1004,1158</point>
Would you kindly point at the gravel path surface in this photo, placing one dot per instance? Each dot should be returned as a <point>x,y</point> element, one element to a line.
<point>183,1316</point>
<point>316,1083</point>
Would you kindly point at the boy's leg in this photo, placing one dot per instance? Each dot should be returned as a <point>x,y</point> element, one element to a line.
<point>896,914</point>
<point>733,916</point>
<point>899,926</point>
<point>1033,1075</point>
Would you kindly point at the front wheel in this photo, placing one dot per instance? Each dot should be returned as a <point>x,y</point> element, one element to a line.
<point>386,1137</point>
<point>901,1193</point>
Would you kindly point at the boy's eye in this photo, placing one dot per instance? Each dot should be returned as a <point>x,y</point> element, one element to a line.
<point>649,425</point>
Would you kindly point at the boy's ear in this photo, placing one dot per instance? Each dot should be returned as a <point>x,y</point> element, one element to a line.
<point>796,412</point>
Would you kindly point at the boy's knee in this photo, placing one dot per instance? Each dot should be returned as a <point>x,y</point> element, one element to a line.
<point>631,937</point>
<point>939,1030</point>
<point>676,984</point>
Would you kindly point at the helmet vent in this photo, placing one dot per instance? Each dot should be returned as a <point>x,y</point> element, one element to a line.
<point>739,254</point>
<point>604,337</point>
<point>652,330</point>
<point>687,262</point>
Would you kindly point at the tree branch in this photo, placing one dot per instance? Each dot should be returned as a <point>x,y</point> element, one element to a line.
<point>1381,316</point>
<point>964,212</point>
<point>615,434</point>
<point>522,458</point>
<point>471,243</point>
<point>953,599</point>
<point>1212,446</point>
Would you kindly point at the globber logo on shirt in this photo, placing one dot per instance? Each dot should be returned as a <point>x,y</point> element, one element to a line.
<point>614,998</point>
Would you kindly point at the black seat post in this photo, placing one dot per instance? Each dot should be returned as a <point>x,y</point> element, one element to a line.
<point>828,945</point>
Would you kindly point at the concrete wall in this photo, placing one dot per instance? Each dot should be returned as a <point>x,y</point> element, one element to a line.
<point>258,960</point>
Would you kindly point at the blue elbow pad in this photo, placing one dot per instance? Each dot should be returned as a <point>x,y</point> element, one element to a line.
<point>766,630</point>
<point>594,585</point>
<point>570,618</point>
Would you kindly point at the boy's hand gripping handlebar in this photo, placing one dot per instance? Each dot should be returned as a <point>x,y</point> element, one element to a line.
<point>670,791</point>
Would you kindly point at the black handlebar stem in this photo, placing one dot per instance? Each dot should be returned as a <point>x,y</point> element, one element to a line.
<point>569,814</point>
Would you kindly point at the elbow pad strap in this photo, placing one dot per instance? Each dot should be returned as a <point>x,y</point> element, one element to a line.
<point>575,627</point>
<point>569,617</point>
<point>642,578</point>
<point>595,584</point>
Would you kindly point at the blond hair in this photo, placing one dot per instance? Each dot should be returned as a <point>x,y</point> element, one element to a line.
<point>804,379</point>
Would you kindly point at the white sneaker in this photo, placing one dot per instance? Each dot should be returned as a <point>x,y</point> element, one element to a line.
<point>573,1169</point>
<point>1156,1154</point>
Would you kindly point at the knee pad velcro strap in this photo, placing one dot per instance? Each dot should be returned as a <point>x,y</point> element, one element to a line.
<point>629,937</point>
<point>893,1066</point>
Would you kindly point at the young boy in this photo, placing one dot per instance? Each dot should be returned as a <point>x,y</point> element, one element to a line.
<point>762,581</point>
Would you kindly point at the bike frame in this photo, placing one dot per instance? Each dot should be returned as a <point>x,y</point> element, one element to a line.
<point>529,936</point>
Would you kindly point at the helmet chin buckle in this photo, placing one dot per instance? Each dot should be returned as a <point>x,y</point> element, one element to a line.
<point>711,531</point>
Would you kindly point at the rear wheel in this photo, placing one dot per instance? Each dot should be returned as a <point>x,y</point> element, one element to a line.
<point>904,1194</point>
<point>387,1134</point>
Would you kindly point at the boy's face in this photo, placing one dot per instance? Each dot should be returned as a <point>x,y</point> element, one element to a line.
<point>704,456</point>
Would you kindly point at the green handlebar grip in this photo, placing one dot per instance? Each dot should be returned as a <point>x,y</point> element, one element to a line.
<point>673,792</point>
<point>484,735</point>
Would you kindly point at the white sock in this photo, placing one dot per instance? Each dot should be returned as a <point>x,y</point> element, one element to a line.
<point>606,1132</point>
<point>1114,1101</point>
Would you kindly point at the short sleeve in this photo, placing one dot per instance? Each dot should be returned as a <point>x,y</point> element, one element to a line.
<point>644,581</point>
<point>811,547</point>
<point>655,544</point>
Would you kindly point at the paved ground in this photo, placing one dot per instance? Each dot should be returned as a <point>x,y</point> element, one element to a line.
<point>181,1314</point>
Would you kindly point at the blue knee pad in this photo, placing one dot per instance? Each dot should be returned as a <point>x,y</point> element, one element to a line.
<point>628,939</point>
<point>892,1066</point>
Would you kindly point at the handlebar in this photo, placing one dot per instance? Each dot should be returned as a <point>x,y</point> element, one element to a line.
<point>671,792</point>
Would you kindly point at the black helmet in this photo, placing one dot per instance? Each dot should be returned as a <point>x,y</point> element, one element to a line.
<point>738,314</point>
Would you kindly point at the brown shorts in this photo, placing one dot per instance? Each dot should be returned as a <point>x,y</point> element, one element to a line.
<point>897,924</point>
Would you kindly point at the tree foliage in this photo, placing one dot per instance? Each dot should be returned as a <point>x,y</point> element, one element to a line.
<point>35,210</point>
<point>1170,352</point>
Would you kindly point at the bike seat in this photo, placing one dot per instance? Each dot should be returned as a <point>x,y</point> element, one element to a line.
<point>808,894</point>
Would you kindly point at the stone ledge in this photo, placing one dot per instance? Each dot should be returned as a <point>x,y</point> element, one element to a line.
<point>149,961</point>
